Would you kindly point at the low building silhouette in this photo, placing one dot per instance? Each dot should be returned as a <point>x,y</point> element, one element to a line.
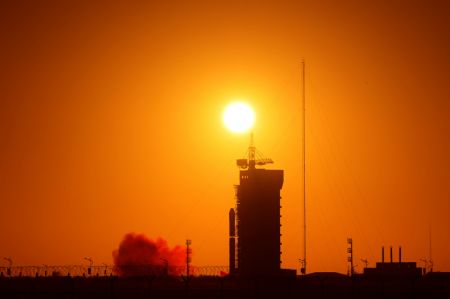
<point>391,268</point>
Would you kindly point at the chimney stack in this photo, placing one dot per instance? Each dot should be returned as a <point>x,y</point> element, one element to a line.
<point>400,254</point>
<point>391,254</point>
<point>382,254</point>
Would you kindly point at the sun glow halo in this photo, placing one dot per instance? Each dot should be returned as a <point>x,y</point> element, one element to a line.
<point>238,117</point>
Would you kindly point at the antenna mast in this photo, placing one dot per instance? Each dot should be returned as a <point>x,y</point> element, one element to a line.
<point>429,249</point>
<point>251,153</point>
<point>254,157</point>
<point>303,270</point>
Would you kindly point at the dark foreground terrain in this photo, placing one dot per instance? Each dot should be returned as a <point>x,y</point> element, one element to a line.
<point>316,285</point>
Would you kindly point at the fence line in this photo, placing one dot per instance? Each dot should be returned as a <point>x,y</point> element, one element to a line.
<point>110,270</point>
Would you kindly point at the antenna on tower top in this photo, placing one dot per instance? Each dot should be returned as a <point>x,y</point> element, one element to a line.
<point>251,153</point>
<point>254,157</point>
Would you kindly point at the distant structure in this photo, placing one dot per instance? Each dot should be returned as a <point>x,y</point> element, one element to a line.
<point>351,267</point>
<point>392,268</point>
<point>188,257</point>
<point>255,221</point>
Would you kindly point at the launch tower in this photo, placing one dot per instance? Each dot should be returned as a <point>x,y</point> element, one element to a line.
<point>255,222</point>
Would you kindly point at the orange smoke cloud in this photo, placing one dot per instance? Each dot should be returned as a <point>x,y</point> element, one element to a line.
<point>138,255</point>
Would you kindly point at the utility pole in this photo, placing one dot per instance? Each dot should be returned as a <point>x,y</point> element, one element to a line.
<point>425,268</point>
<point>366,262</point>
<point>91,262</point>
<point>10,263</point>
<point>188,258</point>
<point>350,256</point>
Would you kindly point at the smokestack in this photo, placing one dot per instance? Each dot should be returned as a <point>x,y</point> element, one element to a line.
<point>382,254</point>
<point>232,245</point>
<point>391,254</point>
<point>400,254</point>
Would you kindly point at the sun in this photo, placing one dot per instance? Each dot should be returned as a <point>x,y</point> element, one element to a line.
<point>238,117</point>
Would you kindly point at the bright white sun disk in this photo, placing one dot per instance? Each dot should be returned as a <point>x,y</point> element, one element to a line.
<point>238,117</point>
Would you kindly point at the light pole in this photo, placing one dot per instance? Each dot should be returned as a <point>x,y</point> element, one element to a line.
<point>10,262</point>
<point>91,262</point>
<point>106,267</point>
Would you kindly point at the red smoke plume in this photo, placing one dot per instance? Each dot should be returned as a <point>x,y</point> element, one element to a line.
<point>138,255</point>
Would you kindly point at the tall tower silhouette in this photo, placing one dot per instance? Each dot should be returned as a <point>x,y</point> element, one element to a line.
<point>257,220</point>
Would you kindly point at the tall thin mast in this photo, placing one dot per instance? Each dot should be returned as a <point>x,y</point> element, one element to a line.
<point>251,153</point>
<point>304,166</point>
<point>429,249</point>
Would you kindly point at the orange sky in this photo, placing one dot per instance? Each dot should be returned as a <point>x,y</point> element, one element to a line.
<point>110,122</point>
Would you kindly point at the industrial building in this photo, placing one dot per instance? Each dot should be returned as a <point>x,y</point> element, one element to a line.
<point>391,268</point>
